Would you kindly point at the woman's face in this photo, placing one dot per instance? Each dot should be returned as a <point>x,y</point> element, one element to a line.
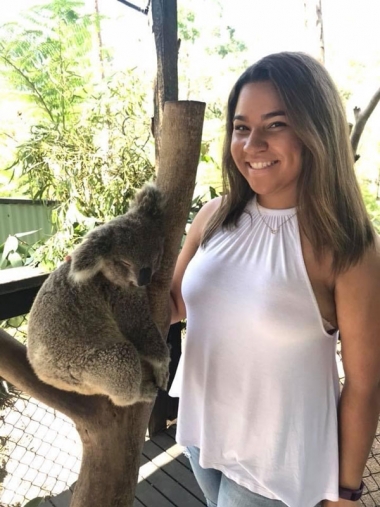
<point>264,146</point>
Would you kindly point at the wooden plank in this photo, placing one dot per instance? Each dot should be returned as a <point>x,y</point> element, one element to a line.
<point>137,503</point>
<point>185,478</point>
<point>171,431</point>
<point>166,443</point>
<point>149,496</point>
<point>151,450</point>
<point>14,279</point>
<point>169,465</point>
<point>17,303</point>
<point>143,460</point>
<point>18,288</point>
<point>172,490</point>
<point>167,485</point>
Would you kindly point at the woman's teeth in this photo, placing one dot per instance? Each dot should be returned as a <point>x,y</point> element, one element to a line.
<point>261,165</point>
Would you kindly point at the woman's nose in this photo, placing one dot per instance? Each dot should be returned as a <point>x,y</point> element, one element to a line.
<point>255,142</point>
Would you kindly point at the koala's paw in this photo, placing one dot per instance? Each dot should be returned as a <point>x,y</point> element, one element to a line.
<point>156,371</point>
<point>161,375</point>
<point>148,391</point>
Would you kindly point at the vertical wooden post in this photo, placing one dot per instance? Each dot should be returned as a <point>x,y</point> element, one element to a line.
<point>164,13</point>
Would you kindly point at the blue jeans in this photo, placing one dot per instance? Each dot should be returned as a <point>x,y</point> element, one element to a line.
<point>220,491</point>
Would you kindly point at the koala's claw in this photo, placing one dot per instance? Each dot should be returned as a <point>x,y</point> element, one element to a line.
<point>161,375</point>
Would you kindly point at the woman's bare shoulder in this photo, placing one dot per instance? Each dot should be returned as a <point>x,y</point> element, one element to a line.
<point>205,213</point>
<point>211,206</point>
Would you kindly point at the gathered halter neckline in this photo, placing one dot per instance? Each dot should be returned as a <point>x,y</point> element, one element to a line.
<point>273,212</point>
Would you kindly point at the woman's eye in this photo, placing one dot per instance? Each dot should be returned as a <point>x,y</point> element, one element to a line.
<point>240,127</point>
<point>277,124</point>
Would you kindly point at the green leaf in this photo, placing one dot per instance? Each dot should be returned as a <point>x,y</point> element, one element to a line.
<point>35,502</point>
<point>16,321</point>
<point>15,259</point>
<point>3,264</point>
<point>23,234</point>
<point>10,245</point>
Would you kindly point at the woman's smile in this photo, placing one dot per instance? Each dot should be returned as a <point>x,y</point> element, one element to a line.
<point>260,165</point>
<point>264,146</point>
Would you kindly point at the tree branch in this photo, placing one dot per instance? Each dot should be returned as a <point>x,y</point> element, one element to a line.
<point>16,369</point>
<point>361,120</point>
<point>31,85</point>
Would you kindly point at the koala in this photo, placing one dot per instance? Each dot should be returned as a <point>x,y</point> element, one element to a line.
<point>90,328</point>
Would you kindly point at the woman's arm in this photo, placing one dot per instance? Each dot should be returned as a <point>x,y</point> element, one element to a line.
<point>192,242</point>
<point>357,295</point>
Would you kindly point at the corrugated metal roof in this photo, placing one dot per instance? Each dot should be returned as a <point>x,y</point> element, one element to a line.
<point>24,217</point>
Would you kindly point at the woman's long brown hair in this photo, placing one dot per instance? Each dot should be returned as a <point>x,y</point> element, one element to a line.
<point>331,210</point>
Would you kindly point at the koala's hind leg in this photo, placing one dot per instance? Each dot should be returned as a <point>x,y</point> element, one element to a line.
<point>114,371</point>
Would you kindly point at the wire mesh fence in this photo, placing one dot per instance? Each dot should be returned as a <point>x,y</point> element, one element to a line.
<point>40,452</point>
<point>40,449</point>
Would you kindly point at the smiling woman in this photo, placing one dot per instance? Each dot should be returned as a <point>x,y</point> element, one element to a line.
<point>268,276</point>
<point>264,146</point>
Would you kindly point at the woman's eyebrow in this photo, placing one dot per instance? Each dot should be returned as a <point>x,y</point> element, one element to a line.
<point>265,116</point>
<point>239,117</point>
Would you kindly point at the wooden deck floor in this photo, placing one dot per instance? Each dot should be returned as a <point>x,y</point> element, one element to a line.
<point>165,477</point>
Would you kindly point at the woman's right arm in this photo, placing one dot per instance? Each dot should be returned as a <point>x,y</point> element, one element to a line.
<point>191,244</point>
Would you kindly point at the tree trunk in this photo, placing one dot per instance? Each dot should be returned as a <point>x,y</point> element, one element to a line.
<point>112,439</point>
<point>98,39</point>
<point>164,13</point>
<point>314,27</point>
<point>112,436</point>
<point>180,142</point>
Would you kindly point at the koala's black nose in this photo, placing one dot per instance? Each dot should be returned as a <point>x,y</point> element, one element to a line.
<point>145,276</point>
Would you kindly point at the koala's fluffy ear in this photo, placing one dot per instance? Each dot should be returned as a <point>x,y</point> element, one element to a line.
<point>149,201</point>
<point>88,259</point>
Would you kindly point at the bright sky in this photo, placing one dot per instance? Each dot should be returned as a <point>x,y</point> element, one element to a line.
<point>275,24</point>
<point>350,28</point>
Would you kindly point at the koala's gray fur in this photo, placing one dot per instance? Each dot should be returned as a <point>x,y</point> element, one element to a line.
<point>90,328</point>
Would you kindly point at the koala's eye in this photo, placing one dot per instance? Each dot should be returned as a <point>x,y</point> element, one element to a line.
<point>126,263</point>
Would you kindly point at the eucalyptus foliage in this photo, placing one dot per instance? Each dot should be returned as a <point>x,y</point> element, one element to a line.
<point>16,251</point>
<point>47,58</point>
<point>89,143</point>
<point>372,204</point>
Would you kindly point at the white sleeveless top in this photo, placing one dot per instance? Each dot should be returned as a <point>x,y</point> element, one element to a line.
<point>260,387</point>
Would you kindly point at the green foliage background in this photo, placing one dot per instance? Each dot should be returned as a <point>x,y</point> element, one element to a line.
<point>89,145</point>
